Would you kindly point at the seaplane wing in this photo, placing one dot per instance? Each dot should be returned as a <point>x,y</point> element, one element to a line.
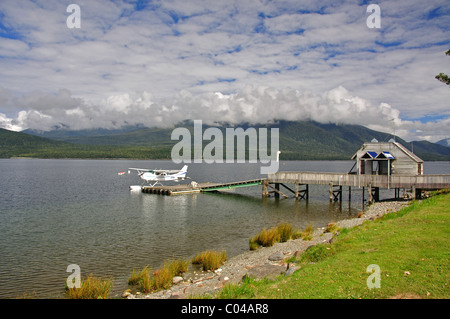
<point>141,170</point>
<point>159,175</point>
<point>166,171</point>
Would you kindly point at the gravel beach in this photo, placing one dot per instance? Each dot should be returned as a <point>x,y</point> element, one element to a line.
<point>265,261</point>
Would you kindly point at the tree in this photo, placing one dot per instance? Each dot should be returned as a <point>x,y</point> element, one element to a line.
<point>443,77</point>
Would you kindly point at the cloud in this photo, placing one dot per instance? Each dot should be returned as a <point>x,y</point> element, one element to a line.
<point>8,123</point>
<point>223,60</point>
<point>252,104</point>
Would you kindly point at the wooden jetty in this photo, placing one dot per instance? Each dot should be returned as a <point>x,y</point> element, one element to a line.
<point>387,165</point>
<point>378,165</point>
<point>199,187</point>
<point>298,184</point>
<point>301,180</point>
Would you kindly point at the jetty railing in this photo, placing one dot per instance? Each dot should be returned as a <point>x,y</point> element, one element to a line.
<point>360,180</point>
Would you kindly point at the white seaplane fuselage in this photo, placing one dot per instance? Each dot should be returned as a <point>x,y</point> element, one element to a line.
<point>158,176</point>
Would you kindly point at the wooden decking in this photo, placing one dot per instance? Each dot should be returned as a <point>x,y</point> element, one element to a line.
<point>231,185</point>
<point>200,187</point>
<point>354,180</point>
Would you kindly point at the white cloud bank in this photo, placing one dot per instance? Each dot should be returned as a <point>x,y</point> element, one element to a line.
<point>252,104</point>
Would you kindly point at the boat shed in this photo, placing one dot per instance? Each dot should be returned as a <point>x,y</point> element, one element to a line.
<point>387,158</point>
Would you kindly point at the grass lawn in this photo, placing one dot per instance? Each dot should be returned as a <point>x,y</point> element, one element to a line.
<point>411,248</point>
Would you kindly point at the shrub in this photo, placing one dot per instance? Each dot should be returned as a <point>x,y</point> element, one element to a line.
<point>91,288</point>
<point>210,260</point>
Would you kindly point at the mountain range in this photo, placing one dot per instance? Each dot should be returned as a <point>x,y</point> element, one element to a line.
<point>445,142</point>
<point>305,140</point>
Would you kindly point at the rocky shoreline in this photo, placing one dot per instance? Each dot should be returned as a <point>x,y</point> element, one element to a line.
<point>260,263</point>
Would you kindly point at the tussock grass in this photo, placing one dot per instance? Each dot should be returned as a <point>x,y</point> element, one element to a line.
<point>332,228</point>
<point>162,279</point>
<point>148,281</point>
<point>265,238</point>
<point>210,260</point>
<point>285,231</point>
<point>178,266</point>
<point>91,288</point>
<point>137,276</point>
<point>253,245</point>
<point>279,234</point>
<point>142,279</point>
<point>306,234</point>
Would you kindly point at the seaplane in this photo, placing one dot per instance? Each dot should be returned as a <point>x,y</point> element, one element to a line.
<point>160,175</point>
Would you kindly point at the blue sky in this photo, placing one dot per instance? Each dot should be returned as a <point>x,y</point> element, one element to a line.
<point>159,62</point>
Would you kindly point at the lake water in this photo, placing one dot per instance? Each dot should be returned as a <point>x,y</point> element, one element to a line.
<point>54,213</point>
